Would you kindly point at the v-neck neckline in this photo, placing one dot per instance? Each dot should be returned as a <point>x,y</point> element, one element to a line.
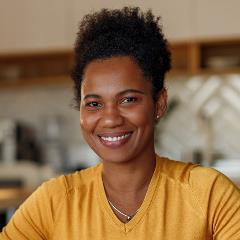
<point>128,226</point>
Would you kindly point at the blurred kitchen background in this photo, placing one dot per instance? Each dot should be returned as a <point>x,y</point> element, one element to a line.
<point>39,128</point>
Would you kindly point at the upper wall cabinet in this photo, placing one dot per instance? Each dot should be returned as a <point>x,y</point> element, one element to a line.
<point>33,25</point>
<point>206,56</point>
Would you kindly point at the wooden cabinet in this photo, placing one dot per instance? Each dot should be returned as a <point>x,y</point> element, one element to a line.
<point>13,197</point>
<point>192,57</point>
<point>18,70</point>
<point>206,56</point>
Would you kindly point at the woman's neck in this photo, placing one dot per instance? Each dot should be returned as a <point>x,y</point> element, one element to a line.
<point>131,176</point>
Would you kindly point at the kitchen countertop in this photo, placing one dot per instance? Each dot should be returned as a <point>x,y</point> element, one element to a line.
<point>13,197</point>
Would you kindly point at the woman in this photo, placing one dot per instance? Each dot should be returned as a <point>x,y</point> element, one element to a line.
<point>121,60</point>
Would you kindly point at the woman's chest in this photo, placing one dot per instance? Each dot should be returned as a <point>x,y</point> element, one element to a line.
<point>163,220</point>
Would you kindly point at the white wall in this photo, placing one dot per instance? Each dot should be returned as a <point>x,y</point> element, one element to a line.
<point>217,18</point>
<point>175,14</point>
<point>32,25</point>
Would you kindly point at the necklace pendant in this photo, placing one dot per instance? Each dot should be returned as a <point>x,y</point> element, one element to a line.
<point>129,217</point>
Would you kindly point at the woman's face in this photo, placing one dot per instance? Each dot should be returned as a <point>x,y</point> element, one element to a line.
<point>117,112</point>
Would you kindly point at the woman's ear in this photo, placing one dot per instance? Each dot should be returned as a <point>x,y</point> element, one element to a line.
<point>161,104</point>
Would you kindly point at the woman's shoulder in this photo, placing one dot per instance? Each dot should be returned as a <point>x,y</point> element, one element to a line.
<point>204,183</point>
<point>190,173</point>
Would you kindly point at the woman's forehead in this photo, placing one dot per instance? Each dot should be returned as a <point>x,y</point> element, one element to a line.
<point>113,74</point>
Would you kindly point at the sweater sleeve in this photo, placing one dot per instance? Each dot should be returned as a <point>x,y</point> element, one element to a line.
<point>220,201</point>
<point>35,217</point>
<point>225,209</point>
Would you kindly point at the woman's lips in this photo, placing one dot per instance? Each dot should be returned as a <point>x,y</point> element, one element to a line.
<point>114,139</point>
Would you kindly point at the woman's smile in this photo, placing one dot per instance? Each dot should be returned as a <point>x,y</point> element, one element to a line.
<point>113,140</point>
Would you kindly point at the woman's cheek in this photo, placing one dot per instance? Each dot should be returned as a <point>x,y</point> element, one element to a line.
<point>140,116</point>
<point>87,121</point>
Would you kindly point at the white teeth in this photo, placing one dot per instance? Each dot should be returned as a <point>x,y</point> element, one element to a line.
<point>114,139</point>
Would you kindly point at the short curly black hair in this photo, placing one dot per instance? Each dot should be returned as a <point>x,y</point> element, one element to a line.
<point>125,32</point>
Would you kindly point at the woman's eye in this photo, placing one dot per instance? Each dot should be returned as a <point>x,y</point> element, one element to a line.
<point>129,100</point>
<point>93,105</point>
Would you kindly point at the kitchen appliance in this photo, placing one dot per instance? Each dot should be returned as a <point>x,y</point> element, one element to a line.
<point>18,142</point>
<point>7,140</point>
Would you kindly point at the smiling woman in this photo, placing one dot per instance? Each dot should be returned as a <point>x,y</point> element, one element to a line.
<point>121,61</point>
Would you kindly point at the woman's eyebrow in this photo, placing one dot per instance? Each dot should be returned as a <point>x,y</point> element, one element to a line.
<point>131,91</point>
<point>93,95</point>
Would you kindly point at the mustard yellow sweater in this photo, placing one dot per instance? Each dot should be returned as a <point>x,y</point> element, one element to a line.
<point>183,202</point>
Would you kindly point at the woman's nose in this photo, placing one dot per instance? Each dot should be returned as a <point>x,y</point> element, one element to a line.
<point>111,117</point>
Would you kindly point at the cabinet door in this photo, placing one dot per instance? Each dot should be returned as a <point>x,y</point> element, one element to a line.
<point>216,18</point>
<point>33,25</point>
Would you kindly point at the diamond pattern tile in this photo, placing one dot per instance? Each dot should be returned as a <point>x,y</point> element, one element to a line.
<point>203,115</point>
